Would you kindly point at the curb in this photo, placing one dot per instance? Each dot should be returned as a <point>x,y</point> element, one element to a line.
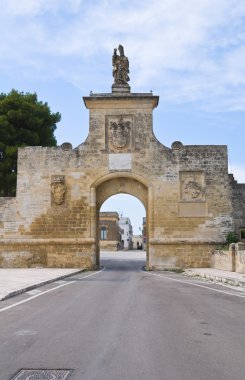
<point>223,280</point>
<point>31,287</point>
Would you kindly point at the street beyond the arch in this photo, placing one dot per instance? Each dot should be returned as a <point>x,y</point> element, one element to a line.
<point>122,322</point>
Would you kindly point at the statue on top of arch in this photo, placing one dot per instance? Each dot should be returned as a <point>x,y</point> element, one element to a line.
<point>120,65</point>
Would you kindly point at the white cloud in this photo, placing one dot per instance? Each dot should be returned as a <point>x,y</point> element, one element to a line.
<point>192,51</point>
<point>26,8</point>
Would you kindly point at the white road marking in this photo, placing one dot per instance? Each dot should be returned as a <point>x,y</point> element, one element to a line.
<point>46,291</point>
<point>33,291</point>
<point>60,282</point>
<point>192,283</point>
<point>25,332</point>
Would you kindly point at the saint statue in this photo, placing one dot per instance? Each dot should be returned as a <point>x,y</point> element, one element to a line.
<point>120,67</point>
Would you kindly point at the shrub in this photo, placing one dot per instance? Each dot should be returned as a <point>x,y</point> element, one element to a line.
<point>231,237</point>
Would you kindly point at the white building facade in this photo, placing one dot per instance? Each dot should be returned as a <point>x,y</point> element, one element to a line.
<point>127,232</point>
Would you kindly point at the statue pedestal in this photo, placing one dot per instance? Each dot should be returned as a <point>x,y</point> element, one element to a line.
<point>120,88</point>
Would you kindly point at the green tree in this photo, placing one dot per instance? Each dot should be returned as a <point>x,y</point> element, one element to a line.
<point>24,121</point>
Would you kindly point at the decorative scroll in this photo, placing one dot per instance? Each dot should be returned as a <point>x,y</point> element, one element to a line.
<point>177,145</point>
<point>66,146</point>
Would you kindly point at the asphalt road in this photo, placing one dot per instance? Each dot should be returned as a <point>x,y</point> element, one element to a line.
<point>124,323</point>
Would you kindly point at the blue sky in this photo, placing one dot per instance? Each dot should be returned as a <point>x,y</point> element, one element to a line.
<point>190,53</point>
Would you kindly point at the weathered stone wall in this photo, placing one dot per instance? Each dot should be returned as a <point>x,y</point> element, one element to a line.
<point>112,229</point>
<point>178,254</point>
<point>52,253</point>
<point>8,217</point>
<point>231,260</point>
<point>110,221</point>
<point>186,191</point>
<point>223,260</point>
<point>238,200</point>
<point>240,257</point>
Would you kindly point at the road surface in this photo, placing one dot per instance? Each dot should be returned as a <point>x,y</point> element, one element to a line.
<point>124,323</point>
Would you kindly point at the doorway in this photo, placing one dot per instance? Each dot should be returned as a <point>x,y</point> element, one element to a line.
<point>122,224</point>
<point>125,188</point>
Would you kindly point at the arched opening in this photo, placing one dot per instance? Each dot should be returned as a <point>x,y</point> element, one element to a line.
<point>111,185</point>
<point>122,224</point>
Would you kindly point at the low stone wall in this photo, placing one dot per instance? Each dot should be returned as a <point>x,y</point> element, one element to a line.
<point>240,258</point>
<point>222,260</point>
<point>232,260</point>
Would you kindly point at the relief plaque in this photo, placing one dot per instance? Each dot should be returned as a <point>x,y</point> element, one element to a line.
<point>192,194</point>
<point>119,133</point>
<point>192,186</point>
<point>58,190</point>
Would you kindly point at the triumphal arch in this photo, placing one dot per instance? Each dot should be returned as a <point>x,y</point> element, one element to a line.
<point>191,202</point>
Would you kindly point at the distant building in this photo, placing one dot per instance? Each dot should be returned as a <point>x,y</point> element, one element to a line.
<point>110,231</point>
<point>144,238</point>
<point>127,232</point>
<point>137,242</point>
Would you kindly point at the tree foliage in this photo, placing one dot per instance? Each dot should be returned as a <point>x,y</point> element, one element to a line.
<point>24,121</point>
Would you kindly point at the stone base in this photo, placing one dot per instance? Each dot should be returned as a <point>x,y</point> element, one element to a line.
<point>47,253</point>
<point>171,255</point>
<point>81,253</point>
<point>120,89</point>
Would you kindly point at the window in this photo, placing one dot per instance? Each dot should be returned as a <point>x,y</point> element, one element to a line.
<point>103,233</point>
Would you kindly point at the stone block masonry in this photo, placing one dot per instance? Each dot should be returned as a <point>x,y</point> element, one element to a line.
<point>190,200</point>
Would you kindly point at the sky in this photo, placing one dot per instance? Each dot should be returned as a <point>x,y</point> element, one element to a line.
<point>191,53</point>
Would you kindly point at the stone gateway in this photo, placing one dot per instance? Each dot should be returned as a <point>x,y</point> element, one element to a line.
<point>191,201</point>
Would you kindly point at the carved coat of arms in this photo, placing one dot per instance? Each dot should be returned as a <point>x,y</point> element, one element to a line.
<point>192,190</point>
<point>192,186</point>
<point>119,133</point>
<point>58,190</point>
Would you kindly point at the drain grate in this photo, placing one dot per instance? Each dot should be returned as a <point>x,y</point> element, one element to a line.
<point>42,374</point>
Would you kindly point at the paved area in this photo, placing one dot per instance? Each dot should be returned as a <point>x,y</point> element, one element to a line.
<point>217,275</point>
<point>15,281</point>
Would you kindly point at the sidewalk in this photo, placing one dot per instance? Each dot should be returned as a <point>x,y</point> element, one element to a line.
<point>16,281</point>
<point>217,275</point>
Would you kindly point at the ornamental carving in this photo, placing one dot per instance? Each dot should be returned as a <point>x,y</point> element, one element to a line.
<point>119,133</point>
<point>58,190</point>
<point>177,145</point>
<point>66,146</point>
<point>192,186</point>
